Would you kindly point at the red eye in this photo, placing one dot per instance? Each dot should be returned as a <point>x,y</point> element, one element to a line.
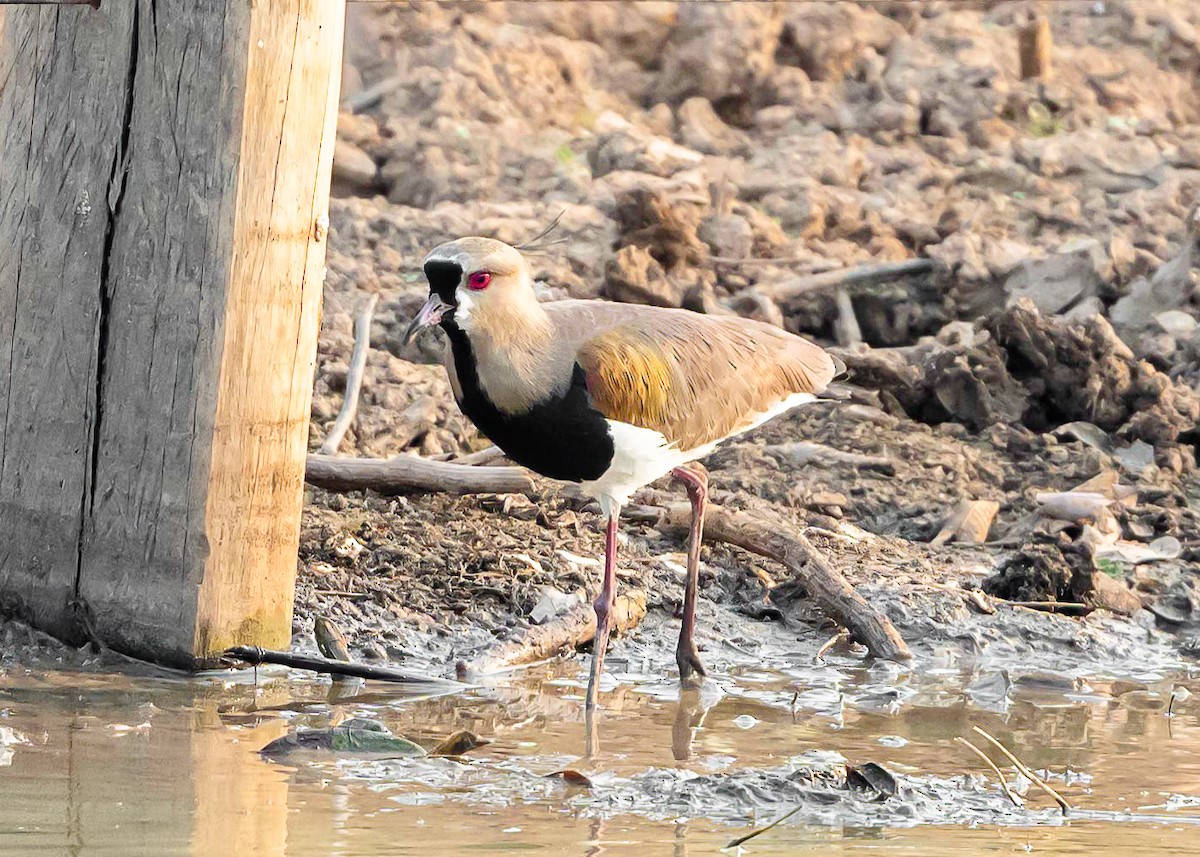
<point>479,280</point>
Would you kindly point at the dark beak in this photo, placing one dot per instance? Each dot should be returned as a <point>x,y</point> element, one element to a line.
<point>431,313</point>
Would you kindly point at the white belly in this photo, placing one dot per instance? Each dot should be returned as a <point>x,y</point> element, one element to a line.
<point>641,455</point>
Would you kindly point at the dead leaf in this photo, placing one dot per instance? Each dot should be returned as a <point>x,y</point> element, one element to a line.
<point>573,778</point>
<point>459,743</point>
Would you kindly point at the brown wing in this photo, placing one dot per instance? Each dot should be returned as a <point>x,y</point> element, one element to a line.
<point>696,378</point>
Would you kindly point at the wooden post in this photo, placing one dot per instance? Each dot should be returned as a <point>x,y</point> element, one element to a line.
<point>164,177</point>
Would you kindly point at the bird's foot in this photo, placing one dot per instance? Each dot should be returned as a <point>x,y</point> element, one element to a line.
<point>691,668</point>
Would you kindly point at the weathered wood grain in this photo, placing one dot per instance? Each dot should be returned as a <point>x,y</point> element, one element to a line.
<point>255,492</point>
<point>63,98</point>
<point>159,366</point>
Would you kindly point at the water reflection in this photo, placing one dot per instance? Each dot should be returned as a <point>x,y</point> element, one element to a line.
<point>689,716</point>
<point>128,766</point>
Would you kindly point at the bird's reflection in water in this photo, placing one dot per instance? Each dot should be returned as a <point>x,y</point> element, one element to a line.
<point>689,716</point>
<point>681,849</point>
<point>690,712</point>
<point>596,834</point>
<point>591,735</point>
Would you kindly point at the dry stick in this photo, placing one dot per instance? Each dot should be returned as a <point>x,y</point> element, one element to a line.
<point>1012,796</point>
<point>1024,769</point>
<point>408,474</point>
<point>354,377</point>
<point>483,456</point>
<point>574,628</point>
<point>829,644</point>
<point>255,655</point>
<point>1071,607</point>
<point>846,277</point>
<point>780,542</point>
<point>845,326</point>
<point>781,260</point>
<point>367,98</point>
<point>753,833</point>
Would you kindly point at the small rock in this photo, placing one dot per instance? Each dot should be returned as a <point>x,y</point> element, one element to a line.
<point>729,235</point>
<point>700,128</point>
<point>1061,280</point>
<point>634,276</point>
<point>554,602</point>
<point>354,169</point>
<point>1177,323</point>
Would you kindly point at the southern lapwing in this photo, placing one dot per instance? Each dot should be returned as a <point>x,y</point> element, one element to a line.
<point>611,396</point>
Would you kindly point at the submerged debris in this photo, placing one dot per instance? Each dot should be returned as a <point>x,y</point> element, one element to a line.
<point>359,736</point>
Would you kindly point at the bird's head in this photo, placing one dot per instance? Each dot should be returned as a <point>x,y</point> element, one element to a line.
<point>473,281</point>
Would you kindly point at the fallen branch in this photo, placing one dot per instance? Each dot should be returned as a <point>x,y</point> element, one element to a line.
<point>567,632</point>
<point>255,655</point>
<point>777,541</point>
<point>354,377</point>
<point>408,474</point>
<point>846,277</point>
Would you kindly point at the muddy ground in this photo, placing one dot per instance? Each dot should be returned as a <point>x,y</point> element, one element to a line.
<point>706,156</point>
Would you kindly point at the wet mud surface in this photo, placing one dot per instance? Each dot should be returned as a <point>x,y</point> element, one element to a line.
<point>668,770</point>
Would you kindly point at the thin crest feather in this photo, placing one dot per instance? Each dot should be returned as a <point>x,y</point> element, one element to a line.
<point>536,244</point>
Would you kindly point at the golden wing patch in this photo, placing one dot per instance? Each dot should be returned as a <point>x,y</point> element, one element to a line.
<point>629,378</point>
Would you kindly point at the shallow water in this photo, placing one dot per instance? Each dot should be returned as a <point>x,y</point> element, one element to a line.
<point>120,764</point>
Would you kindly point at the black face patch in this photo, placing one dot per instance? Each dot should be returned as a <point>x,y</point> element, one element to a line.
<point>444,278</point>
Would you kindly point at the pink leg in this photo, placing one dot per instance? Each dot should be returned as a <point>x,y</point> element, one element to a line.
<point>604,607</point>
<point>695,479</point>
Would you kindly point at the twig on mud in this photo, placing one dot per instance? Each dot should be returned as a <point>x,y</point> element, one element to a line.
<point>354,377</point>
<point>845,326</point>
<point>1072,608</point>
<point>734,843</point>
<point>367,98</point>
<point>340,593</point>
<point>572,629</point>
<point>1026,771</point>
<point>1009,793</point>
<point>846,277</point>
<point>484,456</point>
<point>410,474</point>
<point>776,540</point>
<point>803,452</point>
<point>829,644</point>
<point>818,268</point>
<point>254,655</point>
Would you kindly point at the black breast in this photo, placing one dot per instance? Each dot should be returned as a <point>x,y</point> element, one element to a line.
<point>563,437</point>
